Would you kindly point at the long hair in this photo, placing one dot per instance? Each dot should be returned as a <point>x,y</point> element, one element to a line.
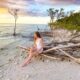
<point>38,35</point>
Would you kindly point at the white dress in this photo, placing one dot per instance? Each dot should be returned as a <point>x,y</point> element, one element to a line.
<point>39,46</point>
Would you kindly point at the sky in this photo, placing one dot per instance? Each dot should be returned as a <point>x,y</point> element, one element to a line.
<point>34,11</point>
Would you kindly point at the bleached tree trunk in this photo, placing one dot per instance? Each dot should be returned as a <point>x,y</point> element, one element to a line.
<point>14,12</point>
<point>15,27</point>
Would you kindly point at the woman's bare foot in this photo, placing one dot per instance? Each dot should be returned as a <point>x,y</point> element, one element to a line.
<point>25,64</point>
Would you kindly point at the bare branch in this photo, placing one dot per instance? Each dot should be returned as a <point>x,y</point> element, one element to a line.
<point>14,12</point>
<point>10,11</point>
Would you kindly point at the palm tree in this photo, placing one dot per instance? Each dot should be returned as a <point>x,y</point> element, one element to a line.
<point>14,12</point>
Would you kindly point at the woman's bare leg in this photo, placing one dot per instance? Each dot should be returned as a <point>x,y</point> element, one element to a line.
<point>27,61</point>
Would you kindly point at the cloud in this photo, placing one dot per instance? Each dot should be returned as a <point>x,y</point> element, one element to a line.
<point>58,2</point>
<point>23,3</point>
<point>35,7</point>
<point>14,3</point>
<point>27,7</point>
<point>77,2</point>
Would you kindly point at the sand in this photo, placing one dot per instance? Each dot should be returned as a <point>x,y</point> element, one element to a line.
<point>12,57</point>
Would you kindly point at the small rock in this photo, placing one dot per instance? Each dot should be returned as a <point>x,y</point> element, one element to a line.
<point>10,60</point>
<point>1,48</point>
<point>27,76</point>
<point>47,61</point>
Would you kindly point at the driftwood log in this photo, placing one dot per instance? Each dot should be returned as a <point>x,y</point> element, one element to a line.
<point>60,48</point>
<point>70,56</point>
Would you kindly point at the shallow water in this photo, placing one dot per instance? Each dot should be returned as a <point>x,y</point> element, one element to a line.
<point>23,31</point>
<point>22,28</point>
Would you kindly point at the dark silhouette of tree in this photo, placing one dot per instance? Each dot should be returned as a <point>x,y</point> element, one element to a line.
<point>51,13</point>
<point>61,13</point>
<point>56,13</point>
<point>14,13</point>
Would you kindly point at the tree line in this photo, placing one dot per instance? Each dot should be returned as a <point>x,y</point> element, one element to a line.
<point>68,20</point>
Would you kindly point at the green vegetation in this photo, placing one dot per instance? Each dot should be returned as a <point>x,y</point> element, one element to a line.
<point>71,22</point>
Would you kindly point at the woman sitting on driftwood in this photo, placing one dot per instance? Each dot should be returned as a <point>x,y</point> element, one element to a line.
<point>36,49</point>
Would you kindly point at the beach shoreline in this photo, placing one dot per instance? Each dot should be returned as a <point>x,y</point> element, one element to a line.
<point>12,57</point>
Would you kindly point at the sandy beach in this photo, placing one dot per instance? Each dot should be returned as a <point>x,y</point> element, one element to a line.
<point>12,57</point>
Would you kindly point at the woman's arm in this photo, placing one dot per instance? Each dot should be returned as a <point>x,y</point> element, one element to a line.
<point>34,44</point>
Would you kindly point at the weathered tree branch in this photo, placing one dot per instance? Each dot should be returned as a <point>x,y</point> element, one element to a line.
<point>61,47</point>
<point>75,59</point>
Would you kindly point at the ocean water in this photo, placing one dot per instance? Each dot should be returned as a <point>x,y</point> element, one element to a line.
<point>25,29</point>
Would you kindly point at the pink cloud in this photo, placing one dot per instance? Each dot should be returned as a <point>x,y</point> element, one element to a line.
<point>57,2</point>
<point>13,4</point>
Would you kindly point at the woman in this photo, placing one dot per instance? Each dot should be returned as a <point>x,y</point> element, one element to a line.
<point>36,49</point>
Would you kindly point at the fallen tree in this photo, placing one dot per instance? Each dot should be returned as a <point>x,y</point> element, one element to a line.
<point>61,47</point>
<point>70,56</point>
